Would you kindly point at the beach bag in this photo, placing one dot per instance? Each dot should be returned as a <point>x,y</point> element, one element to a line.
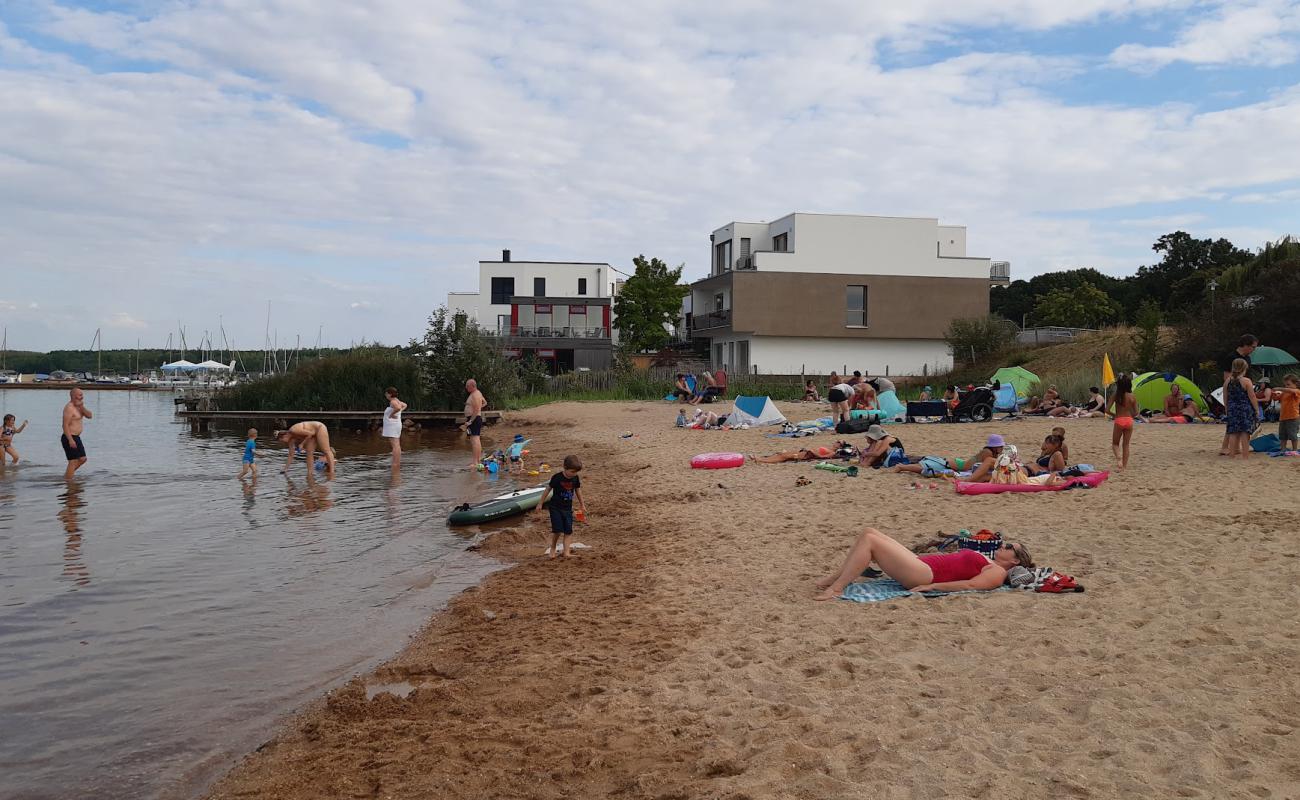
<point>894,457</point>
<point>1266,443</point>
<point>858,425</point>
<point>985,542</point>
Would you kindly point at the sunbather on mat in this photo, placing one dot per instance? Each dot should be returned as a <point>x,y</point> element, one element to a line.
<point>803,454</point>
<point>937,572</point>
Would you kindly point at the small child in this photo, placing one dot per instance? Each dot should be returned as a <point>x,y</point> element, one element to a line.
<point>250,455</point>
<point>7,434</point>
<point>1288,425</point>
<point>1125,409</point>
<point>563,487</point>
<point>516,452</point>
<point>1065,448</point>
<point>682,422</point>
<point>926,394</point>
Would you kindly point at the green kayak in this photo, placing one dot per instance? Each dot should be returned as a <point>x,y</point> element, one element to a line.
<point>506,505</point>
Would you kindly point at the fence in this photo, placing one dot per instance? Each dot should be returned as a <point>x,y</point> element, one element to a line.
<point>1050,335</point>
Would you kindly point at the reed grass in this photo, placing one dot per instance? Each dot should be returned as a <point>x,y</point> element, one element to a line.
<point>351,382</point>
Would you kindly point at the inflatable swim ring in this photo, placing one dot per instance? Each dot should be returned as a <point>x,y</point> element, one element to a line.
<point>1091,479</point>
<point>717,460</point>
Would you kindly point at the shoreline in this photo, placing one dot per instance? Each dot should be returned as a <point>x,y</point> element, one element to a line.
<point>681,655</point>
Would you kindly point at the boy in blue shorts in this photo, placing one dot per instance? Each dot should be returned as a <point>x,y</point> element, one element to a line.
<point>250,454</point>
<point>562,488</point>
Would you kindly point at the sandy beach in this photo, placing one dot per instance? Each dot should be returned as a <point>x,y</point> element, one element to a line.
<point>682,657</point>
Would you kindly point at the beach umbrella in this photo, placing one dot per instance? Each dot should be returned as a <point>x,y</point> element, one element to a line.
<point>1272,357</point>
<point>1018,377</point>
<point>1150,389</point>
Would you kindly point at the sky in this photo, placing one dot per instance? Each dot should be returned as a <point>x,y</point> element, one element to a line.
<point>189,162</point>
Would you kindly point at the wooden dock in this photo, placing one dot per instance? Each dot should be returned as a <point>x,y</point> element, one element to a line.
<point>203,420</point>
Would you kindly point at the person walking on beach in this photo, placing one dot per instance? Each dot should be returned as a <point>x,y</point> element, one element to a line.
<point>1125,406</point>
<point>74,415</point>
<point>1288,424</point>
<point>563,487</point>
<point>1243,409</point>
<point>7,434</point>
<point>250,455</point>
<point>473,425</point>
<point>1245,347</point>
<point>393,424</point>
<point>311,435</point>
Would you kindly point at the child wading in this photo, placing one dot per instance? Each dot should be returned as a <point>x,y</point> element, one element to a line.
<point>250,454</point>
<point>1125,406</point>
<point>7,434</point>
<point>563,487</point>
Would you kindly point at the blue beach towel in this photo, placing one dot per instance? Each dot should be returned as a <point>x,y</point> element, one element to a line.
<point>880,589</point>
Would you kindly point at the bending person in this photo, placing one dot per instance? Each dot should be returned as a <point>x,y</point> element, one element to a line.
<point>937,572</point>
<point>311,435</point>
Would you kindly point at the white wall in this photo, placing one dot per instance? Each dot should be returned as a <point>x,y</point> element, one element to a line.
<point>952,241</point>
<point>561,281</point>
<point>790,355</point>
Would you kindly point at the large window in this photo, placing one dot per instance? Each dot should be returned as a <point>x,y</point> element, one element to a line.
<point>856,316</point>
<point>781,242</point>
<point>539,287</point>
<point>722,257</point>
<point>582,287</point>
<point>502,290</point>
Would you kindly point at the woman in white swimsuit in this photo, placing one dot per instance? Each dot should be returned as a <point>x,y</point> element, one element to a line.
<point>393,424</point>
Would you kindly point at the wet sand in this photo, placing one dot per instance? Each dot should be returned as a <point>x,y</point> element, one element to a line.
<point>681,656</point>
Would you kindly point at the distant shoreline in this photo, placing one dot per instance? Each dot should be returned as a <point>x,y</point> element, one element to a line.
<point>111,387</point>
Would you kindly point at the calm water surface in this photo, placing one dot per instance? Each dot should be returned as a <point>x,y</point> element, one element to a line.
<point>157,616</point>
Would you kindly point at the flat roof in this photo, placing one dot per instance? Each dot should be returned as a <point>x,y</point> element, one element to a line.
<point>574,263</point>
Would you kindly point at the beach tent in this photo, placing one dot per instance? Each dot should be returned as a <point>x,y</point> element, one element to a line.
<point>1272,357</point>
<point>1018,377</point>
<point>180,366</point>
<point>754,411</point>
<point>1150,388</point>
<point>890,406</point>
<point>1005,399</point>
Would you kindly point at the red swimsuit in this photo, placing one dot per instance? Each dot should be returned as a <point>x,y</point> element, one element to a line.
<point>959,566</point>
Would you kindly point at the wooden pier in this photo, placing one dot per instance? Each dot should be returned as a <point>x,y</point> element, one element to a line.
<point>203,420</point>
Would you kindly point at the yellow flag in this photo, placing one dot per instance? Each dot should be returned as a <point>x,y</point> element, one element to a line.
<point>1107,374</point>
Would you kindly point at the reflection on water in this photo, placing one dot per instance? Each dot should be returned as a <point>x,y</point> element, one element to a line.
<point>74,568</point>
<point>157,615</point>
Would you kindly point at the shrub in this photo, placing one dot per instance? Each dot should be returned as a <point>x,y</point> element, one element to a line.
<point>971,340</point>
<point>349,382</point>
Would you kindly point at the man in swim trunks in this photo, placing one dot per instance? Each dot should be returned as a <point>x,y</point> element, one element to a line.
<point>74,415</point>
<point>473,426</point>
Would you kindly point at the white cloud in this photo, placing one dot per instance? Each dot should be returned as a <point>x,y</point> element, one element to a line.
<point>124,320</point>
<point>1264,33</point>
<point>245,169</point>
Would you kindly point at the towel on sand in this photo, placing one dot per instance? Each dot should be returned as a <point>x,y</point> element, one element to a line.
<point>874,590</point>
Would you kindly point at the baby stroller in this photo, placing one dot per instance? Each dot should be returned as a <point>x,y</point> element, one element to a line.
<point>975,405</point>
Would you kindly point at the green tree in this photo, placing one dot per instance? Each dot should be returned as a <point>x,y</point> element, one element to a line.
<point>1081,307</point>
<point>1148,337</point>
<point>978,337</point>
<point>454,350</point>
<point>649,300</point>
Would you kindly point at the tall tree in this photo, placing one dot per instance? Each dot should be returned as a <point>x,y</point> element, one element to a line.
<point>649,300</point>
<point>1081,307</point>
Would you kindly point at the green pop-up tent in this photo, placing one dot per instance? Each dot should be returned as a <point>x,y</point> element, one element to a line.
<point>1150,388</point>
<point>1018,377</point>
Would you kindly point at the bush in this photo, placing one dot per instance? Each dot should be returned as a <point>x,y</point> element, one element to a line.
<point>351,382</point>
<point>972,340</point>
<point>454,350</point>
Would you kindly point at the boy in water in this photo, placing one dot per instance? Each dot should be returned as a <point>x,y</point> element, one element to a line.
<point>563,487</point>
<point>250,454</point>
<point>7,434</point>
<point>1288,426</point>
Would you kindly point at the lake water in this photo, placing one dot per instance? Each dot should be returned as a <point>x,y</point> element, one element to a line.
<point>157,616</point>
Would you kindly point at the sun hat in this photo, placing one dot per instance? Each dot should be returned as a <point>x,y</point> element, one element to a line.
<point>995,440</point>
<point>1187,397</point>
<point>875,433</point>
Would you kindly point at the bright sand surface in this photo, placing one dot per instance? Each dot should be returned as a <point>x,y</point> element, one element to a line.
<point>681,656</point>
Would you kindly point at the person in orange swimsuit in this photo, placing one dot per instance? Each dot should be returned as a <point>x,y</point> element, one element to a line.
<point>1125,409</point>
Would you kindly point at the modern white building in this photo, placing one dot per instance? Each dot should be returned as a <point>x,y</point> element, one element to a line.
<point>558,311</point>
<point>811,293</point>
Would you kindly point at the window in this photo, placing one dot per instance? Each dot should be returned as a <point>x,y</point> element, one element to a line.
<point>502,290</point>
<point>539,287</point>
<point>742,357</point>
<point>744,254</point>
<point>717,303</point>
<point>722,257</point>
<point>856,316</point>
<point>582,286</point>
<point>780,242</point>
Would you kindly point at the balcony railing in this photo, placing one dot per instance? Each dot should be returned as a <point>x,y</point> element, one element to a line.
<point>716,319</point>
<point>546,332</point>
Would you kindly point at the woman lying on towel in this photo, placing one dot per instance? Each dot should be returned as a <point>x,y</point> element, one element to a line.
<point>936,572</point>
<point>1007,468</point>
<point>932,466</point>
<point>794,455</point>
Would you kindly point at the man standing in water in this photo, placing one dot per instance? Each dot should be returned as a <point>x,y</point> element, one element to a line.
<point>473,426</point>
<point>74,415</point>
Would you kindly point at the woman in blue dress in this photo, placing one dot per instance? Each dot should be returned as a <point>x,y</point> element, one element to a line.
<point>1243,409</point>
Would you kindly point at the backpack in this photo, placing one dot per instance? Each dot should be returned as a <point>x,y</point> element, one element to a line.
<point>858,425</point>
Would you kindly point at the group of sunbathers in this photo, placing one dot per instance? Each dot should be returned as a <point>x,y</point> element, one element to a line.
<point>1051,404</point>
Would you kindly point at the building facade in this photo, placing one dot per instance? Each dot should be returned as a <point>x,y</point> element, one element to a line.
<point>557,311</point>
<point>811,293</point>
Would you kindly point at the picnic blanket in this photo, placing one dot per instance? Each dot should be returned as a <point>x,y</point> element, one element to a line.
<point>875,590</point>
